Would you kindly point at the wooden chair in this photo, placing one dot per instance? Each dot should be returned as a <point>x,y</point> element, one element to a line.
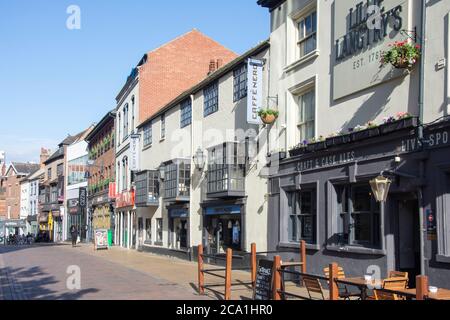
<point>344,293</point>
<point>383,295</point>
<point>313,286</point>
<point>398,274</point>
<point>390,284</point>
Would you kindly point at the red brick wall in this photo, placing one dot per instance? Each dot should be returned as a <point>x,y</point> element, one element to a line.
<point>13,196</point>
<point>174,68</point>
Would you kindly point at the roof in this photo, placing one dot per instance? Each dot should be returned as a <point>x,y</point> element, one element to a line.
<point>110,115</point>
<point>271,4</point>
<point>72,139</point>
<point>36,175</point>
<point>25,168</point>
<point>55,156</point>
<point>211,78</point>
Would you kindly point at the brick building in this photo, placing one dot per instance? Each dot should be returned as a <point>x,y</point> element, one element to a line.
<point>160,76</point>
<point>102,173</point>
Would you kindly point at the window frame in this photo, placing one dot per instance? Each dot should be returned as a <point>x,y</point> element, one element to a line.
<point>159,230</point>
<point>345,219</point>
<point>186,113</point>
<point>302,122</point>
<point>163,126</point>
<point>302,39</point>
<point>148,134</point>
<point>298,215</point>
<point>177,174</point>
<point>240,82</point>
<point>211,99</point>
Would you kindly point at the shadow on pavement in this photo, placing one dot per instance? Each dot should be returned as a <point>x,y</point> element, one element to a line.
<point>32,283</point>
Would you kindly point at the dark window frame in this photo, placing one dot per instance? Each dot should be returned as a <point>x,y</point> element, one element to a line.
<point>211,99</point>
<point>148,134</point>
<point>159,230</point>
<point>186,113</point>
<point>240,82</point>
<point>297,214</point>
<point>163,126</point>
<point>177,179</point>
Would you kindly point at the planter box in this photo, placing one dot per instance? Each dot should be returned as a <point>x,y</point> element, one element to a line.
<point>297,151</point>
<point>398,125</point>
<point>318,146</point>
<point>365,134</point>
<point>338,140</point>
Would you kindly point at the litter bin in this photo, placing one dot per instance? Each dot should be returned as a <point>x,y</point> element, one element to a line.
<point>110,238</point>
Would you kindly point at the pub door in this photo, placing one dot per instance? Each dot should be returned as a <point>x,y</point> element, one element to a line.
<point>408,239</point>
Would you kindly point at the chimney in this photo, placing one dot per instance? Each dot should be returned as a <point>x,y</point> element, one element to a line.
<point>45,154</point>
<point>212,66</point>
<point>219,64</point>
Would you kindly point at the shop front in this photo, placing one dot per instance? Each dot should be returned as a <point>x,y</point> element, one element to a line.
<point>126,219</point>
<point>326,199</point>
<point>223,227</point>
<point>77,218</point>
<point>179,227</point>
<point>102,214</point>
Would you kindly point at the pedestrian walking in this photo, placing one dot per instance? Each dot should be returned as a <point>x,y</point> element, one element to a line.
<point>74,234</point>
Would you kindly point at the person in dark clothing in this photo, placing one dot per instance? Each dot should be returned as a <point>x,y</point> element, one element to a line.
<point>74,233</point>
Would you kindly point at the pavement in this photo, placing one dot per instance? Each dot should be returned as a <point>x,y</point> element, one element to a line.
<point>44,273</point>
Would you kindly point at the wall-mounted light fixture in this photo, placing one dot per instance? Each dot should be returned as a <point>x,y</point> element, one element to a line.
<point>199,159</point>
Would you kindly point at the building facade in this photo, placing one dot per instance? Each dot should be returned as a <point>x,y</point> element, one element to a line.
<point>2,186</point>
<point>200,181</point>
<point>34,181</point>
<point>159,77</point>
<point>76,183</point>
<point>102,177</point>
<point>346,118</point>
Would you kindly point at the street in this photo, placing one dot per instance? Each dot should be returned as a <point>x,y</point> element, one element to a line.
<point>40,273</point>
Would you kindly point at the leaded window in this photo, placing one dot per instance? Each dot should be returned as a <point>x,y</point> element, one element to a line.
<point>186,113</point>
<point>211,99</point>
<point>163,126</point>
<point>226,167</point>
<point>148,134</point>
<point>177,179</point>
<point>240,83</point>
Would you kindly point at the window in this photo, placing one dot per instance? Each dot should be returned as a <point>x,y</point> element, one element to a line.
<point>358,216</point>
<point>240,82</point>
<point>49,173</point>
<point>163,126</point>
<point>148,134</point>
<point>132,111</point>
<point>125,122</point>
<point>148,230</point>
<point>119,126</point>
<point>225,168</point>
<point>302,216</point>
<point>211,97</point>
<point>124,174</point>
<point>177,179</point>
<point>186,113</point>
<point>77,170</point>
<point>307,34</point>
<point>159,230</point>
<point>307,113</point>
<point>147,188</point>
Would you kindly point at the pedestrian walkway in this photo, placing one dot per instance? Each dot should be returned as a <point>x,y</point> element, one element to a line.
<point>181,272</point>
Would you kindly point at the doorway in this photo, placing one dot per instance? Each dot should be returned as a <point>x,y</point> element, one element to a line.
<point>408,239</point>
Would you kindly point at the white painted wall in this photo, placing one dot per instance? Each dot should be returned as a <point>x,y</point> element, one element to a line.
<point>24,199</point>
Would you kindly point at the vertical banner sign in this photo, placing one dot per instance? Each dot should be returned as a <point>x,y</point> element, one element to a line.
<point>254,90</point>
<point>83,198</point>
<point>134,152</point>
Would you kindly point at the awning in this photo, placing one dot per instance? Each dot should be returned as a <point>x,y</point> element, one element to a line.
<point>178,213</point>
<point>223,210</point>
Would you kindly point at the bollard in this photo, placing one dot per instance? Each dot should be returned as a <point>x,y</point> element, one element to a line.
<point>421,287</point>
<point>303,255</point>
<point>253,265</point>
<point>201,276</point>
<point>334,290</point>
<point>276,278</point>
<point>228,274</point>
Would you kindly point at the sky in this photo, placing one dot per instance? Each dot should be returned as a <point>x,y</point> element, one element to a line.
<point>56,81</point>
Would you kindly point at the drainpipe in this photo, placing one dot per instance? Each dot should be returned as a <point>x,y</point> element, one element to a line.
<point>421,136</point>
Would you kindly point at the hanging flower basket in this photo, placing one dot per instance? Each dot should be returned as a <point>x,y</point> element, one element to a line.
<point>402,55</point>
<point>268,116</point>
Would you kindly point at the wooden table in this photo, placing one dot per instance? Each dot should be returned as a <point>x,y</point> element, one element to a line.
<point>442,294</point>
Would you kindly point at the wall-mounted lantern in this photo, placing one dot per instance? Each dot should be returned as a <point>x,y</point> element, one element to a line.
<point>199,159</point>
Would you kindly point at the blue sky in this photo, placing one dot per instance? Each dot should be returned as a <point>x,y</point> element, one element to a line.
<point>55,81</point>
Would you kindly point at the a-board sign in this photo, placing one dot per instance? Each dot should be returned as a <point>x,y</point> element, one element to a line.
<point>101,239</point>
<point>264,276</point>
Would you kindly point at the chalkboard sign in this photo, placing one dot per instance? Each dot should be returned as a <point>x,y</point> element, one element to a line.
<point>101,239</point>
<point>264,276</point>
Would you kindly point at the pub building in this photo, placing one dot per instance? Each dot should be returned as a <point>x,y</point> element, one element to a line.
<point>365,176</point>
